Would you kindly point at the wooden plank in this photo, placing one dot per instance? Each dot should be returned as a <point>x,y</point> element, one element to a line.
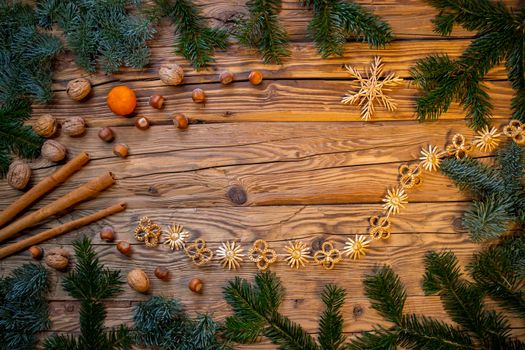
<point>421,228</point>
<point>320,164</point>
<point>304,63</point>
<point>283,100</point>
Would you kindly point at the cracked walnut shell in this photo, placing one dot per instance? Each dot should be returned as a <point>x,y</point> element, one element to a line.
<point>57,259</point>
<point>53,151</point>
<point>74,126</point>
<point>78,89</point>
<point>171,74</point>
<point>19,174</point>
<point>46,125</point>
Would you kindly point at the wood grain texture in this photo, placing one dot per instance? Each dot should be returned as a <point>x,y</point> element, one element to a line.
<point>280,161</point>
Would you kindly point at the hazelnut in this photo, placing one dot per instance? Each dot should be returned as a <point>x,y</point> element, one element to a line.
<point>74,126</point>
<point>138,280</point>
<point>171,74</point>
<point>156,101</point>
<point>107,234</point>
<point>226,77</point>
<point>198,95</point>
<point>121,150</point>
<point>53,151</point>
<point>195,285</point>
<point>142,123</point>
<point>78,89</point>
<point>106,134</point>
<point>180,121</point>
<point>19,174</point>
<point>45,125</point>
<point>255,77</point>
<point>124,247</point>
<point>36,252</point>
<point>162,273</point>
<point>57,258</point>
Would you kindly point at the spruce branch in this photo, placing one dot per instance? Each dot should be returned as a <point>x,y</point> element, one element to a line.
<point>499,191</point>
<point>336,20</point>
<point>500,38</point>
<point>193,39</point>
<point>331,322</point>
<point>91,283</point>
<point>27,55</point>
<point>477,327</point>
<point>23,307</point>
<point>15,137</point>
<point>262,30</point>
<point>100,32</point>
<point>163,324</point>
<point>255,314</point>
<point>497,270</point>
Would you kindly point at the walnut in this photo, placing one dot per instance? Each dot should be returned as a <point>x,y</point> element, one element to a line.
<point>53,151</point>
<point>46,125</point>
<point>57,258</point>
<point>78,89</point>
<point>171,74</point>
<point>19,174</point>
<point>138,280</point>
<point>74,126</point>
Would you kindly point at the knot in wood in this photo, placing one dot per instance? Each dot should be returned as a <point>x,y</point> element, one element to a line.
<point>357,311</point>
<point>237,195</point>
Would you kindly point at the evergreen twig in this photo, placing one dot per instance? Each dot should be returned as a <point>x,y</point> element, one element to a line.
<point>499,191</point>
<point>336,20</point>
<point>163,324</point>
<point>103,32</point>
<point>478,328</point>
<point>443,80</point>
<point>27,55</point>
<point>193,39</point>
<point>91,283</point>
<point>15,137</point>
<point>263,31</point>
<point>23,307</point>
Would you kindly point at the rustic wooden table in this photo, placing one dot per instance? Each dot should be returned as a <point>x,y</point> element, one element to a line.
<point>308,167</point>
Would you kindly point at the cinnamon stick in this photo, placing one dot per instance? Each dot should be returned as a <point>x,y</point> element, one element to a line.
<point>79,194</point>
<point>56,231</point>
<point>43,187</point>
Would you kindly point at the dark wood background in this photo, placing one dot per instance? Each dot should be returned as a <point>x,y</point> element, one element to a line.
<point>309,167</point>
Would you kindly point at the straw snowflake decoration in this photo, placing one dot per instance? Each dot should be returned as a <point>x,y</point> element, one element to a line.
<point>230,254</point>
<point>298,254</point>
<point>394,200</point>
<point>356,248</point>
<point>176,237</point>
<point>372,88</point>
<point>487,140</point>
<point>431,158</point>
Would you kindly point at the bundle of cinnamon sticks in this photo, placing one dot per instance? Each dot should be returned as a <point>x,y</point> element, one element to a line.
<point>72,198</point>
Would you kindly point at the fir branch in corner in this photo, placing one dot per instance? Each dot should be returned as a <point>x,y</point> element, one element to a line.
<point>335,21</point>
<point>15,137</point>
<point>27,55</point>
<point>91,283</point>
<point>100,32</point>
<point>193,39</point>
<point>262,30</point>
<point>443,80</point>
<point>23,307</point>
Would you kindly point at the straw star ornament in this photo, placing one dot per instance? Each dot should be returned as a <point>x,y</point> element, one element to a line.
<point>176,237</point>
<point>431,158</point>
<point>297,254</point>
<point>356,248</point>
<point>487,139</point>
<point>230,254</point>
<point>372,88</point>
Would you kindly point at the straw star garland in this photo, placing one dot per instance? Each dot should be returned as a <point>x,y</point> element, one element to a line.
<point>297,253</point>
<point>372,89</point>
